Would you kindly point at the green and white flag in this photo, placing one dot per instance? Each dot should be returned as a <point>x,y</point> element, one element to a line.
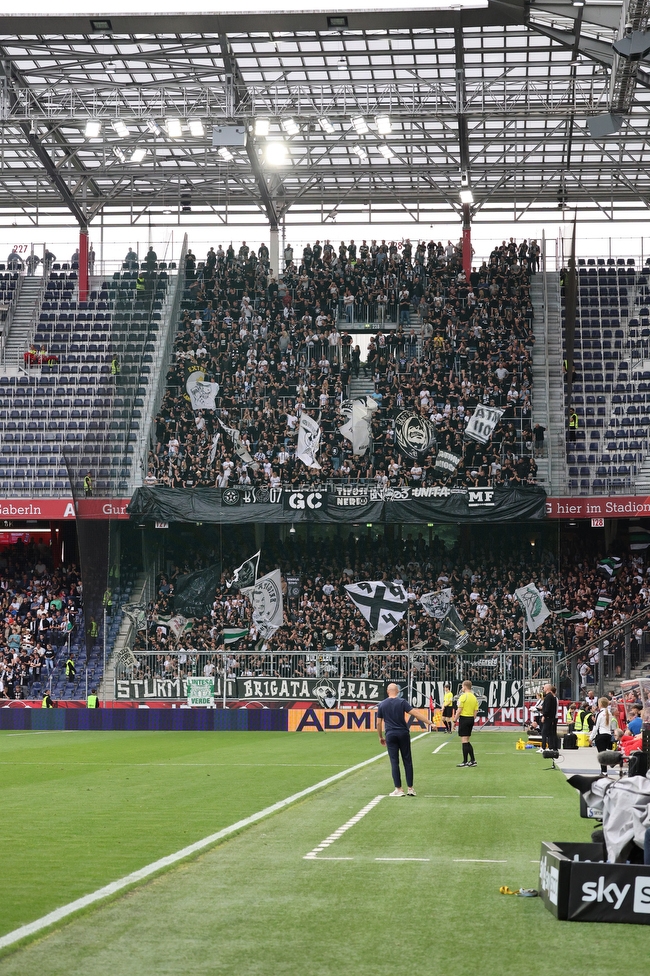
<point>602,602</point>
<point>178,624</point>
<point>200,692</point>
<point>610,566</point>
<point>569,615</point>
<point>639,537</point>
<point>533,606</point>
<point>233,634</point>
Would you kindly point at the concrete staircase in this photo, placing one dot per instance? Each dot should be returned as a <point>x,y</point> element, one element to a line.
<point>548,382</point>
<point>361,385</point>
<point>106,690</point>
<point>20,334</point>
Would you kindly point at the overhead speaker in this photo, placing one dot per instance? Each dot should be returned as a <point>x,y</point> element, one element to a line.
<point>634,46</point>
<point>601,126</point>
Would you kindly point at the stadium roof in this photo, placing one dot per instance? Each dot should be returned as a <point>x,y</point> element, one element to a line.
<point>382,115</point>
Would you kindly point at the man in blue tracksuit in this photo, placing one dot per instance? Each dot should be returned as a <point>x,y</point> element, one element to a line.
<point>393,731</point>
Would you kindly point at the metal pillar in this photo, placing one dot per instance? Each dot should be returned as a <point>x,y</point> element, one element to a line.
<point>601,668</point>
<point>274,251</point>
<point>467,241</point>
<point>83,264</point>
<point>627,662</point>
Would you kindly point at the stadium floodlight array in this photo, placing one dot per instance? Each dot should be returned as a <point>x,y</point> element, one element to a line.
<point>196,128</point>
<point>174,127</point>
<point>387,152</point>
<point>360,125</point>
<point>93,129</point>
<point>138,154</point>
<point>326,125</point>
<point>225,154</point>
<point>290,126</point>
<point>383,124</point>
<point>276,153</point>
<point>360,152</point>
<point>262,127</point>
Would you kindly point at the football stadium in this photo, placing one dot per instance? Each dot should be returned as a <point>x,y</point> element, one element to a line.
<point>325,476</point>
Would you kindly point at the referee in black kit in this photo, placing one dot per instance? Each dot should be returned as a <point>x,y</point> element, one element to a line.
<point>394,734</point>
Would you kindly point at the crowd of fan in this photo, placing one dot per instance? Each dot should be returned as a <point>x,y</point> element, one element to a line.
<point>323,622</point>
<point>38,607</point>
<point>278,347</point>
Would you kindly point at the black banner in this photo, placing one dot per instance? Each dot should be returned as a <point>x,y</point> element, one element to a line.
<point>343,503</point>
<point>323,692</point>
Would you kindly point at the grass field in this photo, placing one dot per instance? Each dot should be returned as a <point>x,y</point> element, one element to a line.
<point>413,883</point>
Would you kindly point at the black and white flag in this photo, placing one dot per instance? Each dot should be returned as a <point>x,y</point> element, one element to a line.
<point>266,598</point>
<point>414,434</point>
<point>358,414</point>
<point>446,462</point>
<point>246,574</point>
<point>137,614</point>
<point>481,424</point>
<point>437,604</point>
<point>453,633</point>
<point>309,435</point>
<point>202,395</point>
<point>237,444</point>
<point>382,604</point>
<point>213,448</point>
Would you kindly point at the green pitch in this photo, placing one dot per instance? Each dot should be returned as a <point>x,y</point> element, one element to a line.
<point>414,882</point>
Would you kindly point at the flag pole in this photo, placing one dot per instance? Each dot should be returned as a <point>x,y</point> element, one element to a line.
<point>224,676</point>
<point>408,648</point>
<point>523,711</point>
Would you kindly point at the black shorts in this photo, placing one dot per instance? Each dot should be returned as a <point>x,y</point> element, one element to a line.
<point>448,711</point>
<point>465,725</point>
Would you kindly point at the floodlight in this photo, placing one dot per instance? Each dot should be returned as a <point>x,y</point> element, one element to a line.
<point>341,64</point>
<point>225,154</point>
<point>138,155</point>
<point>360,125</point>
<point>383,124</point>
<point>93,128</point>
<point>174,128</point>
<point>121,155</point>
<point>154,127</point>
<point>196,128</point>
<point>466,196</point>
<point>262,127</point>
<point>326,125</point>
<point>276,153</point>
<point>387,152</point>
<point>360,152</point>
<point>290,127</point>
<point>121,128</point>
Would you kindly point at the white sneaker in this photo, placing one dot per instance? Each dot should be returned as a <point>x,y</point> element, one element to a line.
<point>397,792</point>
<point>411,792</point>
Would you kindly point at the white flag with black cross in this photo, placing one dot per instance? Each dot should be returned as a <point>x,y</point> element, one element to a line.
<point>382,604</point>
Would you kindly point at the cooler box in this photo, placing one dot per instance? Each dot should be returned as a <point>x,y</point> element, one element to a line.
<point>577,885</point>
<point>583,740</point>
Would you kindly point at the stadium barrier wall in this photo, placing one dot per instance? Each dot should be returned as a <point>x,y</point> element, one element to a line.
<point>143,720</point>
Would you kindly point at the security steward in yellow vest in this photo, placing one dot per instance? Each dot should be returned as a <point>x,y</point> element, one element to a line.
<point>115,366</point>
<point>93,630</point>
<point>107,601</point>
<point>47,701</point>
<point>140,286</point>
<point>88,485</point>
<point>93,700</point>
<point>580,721</point>
<point>70,669</point>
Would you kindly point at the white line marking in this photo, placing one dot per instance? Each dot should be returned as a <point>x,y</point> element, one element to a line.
<point>537,796</point>
<point>109,765</point>
<point>43,732</point>
<point>402,859</point>
<point>346,826</point>
<point>312,857</point>
<point>441,796</point>
<point>488,796</point>
<point>477,860</point>
<point>441,746</point>
<point>164,862</point>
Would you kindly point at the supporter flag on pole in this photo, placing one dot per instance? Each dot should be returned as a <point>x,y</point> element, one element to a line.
<point>453,633</point>
<point>179,625</point>
<point>233,634</point>
<point>610,566</point>
<point>203,395</point>
<point>358,414</point>
<point>246,574</point>
<point>481,424</point>
<point>533,605</point>
<point>213,448</point>
<point>382,604</point>
<point>437,604</point>
<point>137,614</point>
<point>639,537</point>
<point>266,598</point>
<point>309,435</point>
<point>237,444</point>
<point>570,615</point>
<point>446,463</point>
<point>194,593</point>
<point>603,601</point>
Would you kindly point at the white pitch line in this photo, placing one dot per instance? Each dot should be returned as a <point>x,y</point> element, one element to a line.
<point>346,826</point>
<point>402,859</point>
<point>489,796</point>
<point>441,746</point>
<point>114,765</point>
<point>477,860</point>
<point>441,796</point>
<point>165,862</point>
<point>536,796</point>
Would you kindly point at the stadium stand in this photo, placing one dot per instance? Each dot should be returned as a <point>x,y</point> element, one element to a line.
<point>440,345</point>
<point>611,388</point>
